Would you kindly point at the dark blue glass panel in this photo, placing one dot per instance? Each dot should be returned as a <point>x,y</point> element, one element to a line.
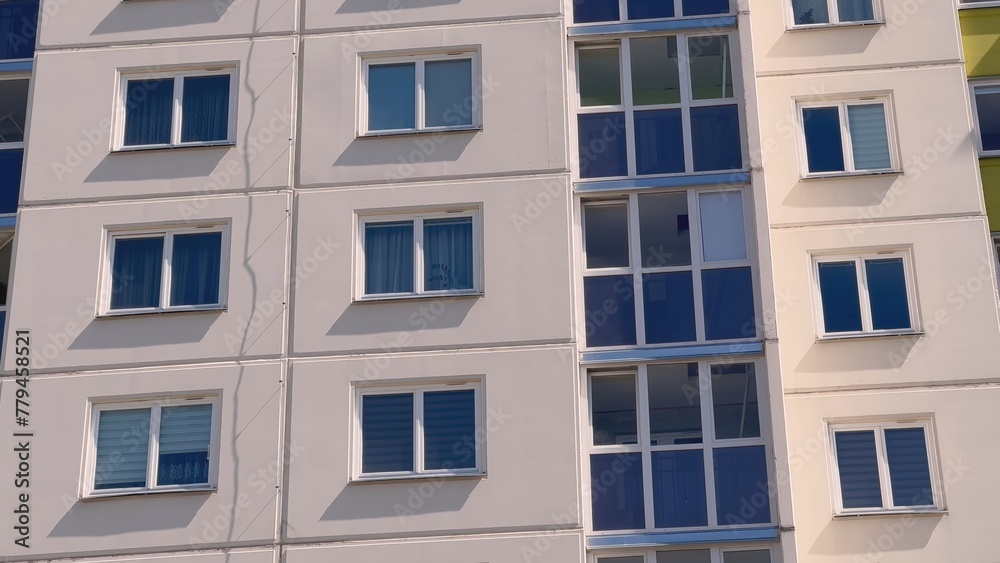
<point>650,9</point>
<point>729,307</point>
<point>448,98</point>
<point>149,110</point>
<point>602,145</point>
<point>10,179</point>
<point>18,28</point>
<point>387,433</point>
<point>448,254</point>
<point>610,310</point>
<point>856,10</point>
<point>824,143</point>
<point>909,472</point>
<point>679,489</point>
<point>887,292</point>
<point>392,97</point>
<point>206,109</point>
<point>988,110</point>
<point>590,11</point>
<point>715,138</point>
<point>741,486</point>
<point>616,492</point>
<point>137,270</point>
<point>838,286</point>
<point>613,410</point>
<point>659,142</point>
<point>857,463</point>
<point>13,109</point>
<point>195,269</point>
<point>704,7</point>
<point>669,303</point>
<point>450,430</point>
<point>389,258</point>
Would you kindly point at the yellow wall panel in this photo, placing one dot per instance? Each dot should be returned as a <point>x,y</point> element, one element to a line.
<point>981,40</point>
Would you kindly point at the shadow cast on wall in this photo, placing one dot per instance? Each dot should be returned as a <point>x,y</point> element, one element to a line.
<point>393,317</point>
<point>399,500</point>
<point>124,515</point>
<point>362,6</point>
<point>142,331</point>
<point>143,16</point>
<point>842,41</point>
<point>405,151</point>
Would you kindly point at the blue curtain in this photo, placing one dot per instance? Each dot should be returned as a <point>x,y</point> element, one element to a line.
<point>448,254</point>
<point>205,109</point>
<point>857,463</point>
<point>149,107</point>
<point>195,267</point>
<point>448,93</point>
<point>450,430</point>
<point>122,449</point>
<point>137,269</point>
<point>387,433</point>
<point>18,25</point>
<point>389,258</point>
<point>185,436</point>
<point>392,95</point>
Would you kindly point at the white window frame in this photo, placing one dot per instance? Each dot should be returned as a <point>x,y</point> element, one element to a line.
<point>862,277</point>
<point>26,78</point>
<point>678,14</point>
<point>167,233</point>
<point>697,266</point>
<point>993,85</point>
<point>152,461</point>
<point>971,5</point>
<point>687,102</point>
<point>176,126</point>
<point>649,555</point>
<point>846,141</point>
<point>417,390</point>
<point>419,60</point>
<point>708,445</point>
<point>419,279</point>
<point>833,8</point>
<point>879,427</point>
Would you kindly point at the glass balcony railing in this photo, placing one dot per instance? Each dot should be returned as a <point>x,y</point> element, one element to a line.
<point>18,27</point>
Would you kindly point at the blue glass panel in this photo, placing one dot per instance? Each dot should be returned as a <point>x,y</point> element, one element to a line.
<point>988,110</point>
<point>857,463</point>
<point>388,258</point>
<point>602,145</point>
<point>590,11</point>
<point>610,310</point>
<point>138,265</point>
<point>887,292</point>
<point>679,489</point>
<point>122,449</point>
<point>734,400</point>
<point>392,95</point>
<point>659,140</point>
<point>10,179</point>
<point>387,433</point>
<point>149,110</point>
<point>668,300</point>
<point>729,307</point>
<point>704,7</point>
<point>650,9</point>
<point>613,410</point>
<point>448,97</point>
<point>856,10</point>
<point>909,472</point>
<point>838,286</point>
<point>824,143</point>
<point>18,27</point>
<point>715,138</point>
<point>616,492</point>
<point>448,254</point>
<point>450,429</point>
<point>809,12</point>
<point>195,268</point>
<point>185,436</point>
<point>206,109</point>
<point>741,486</point>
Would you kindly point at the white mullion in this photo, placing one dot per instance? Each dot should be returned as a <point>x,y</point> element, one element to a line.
<point>867,323</point>
<point>480,448</point>
<point>635,257</point>
<point>418,431</point>
<point>419,121</point>
<point>708,439</point>
<point>178,111</point>
<point>883,468</point>
<point>153,453</point>
<point>694,227</point>
<point>418,255</point>
<point>847,144</point>
<point>625,56</point>
<point>165,277</point>
<point>623,10</point>
<point>831,6</point>
<point>679,8</point>
<point>645,455</point>
<point>684,72</point>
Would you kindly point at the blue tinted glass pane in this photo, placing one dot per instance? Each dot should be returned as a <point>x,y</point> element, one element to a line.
<point>715,138</point>
<point>392,97</point>
<point>185,436</point>
<point>824,144</point>
<point>448,255</point>
<point>610,305</point>
<point>195,269</point>
<point>602,145</point>
<point>448,93</point>
<point>704,7</point>
<point>858,467</point>
<point>388,258</point>
<point>809,12</point>
<point>909,472</point>
<point>988,110</point>
<point>659,140</point>
<point>887,292</point>
<point>616,492</point>
<point>729,308</point>
<point>138,265</point>
<point>450,430</point>
<point>741,491</point>
<point>606,235</point>
<point>679,489</point>
<point>613,410</point>
<point>838,286</point>
<point>856,10</point>
<point>10,179</point>
<point>589,11</point>
<point>669,305</point>
<point>387,433</point>
<point>649,9</point>
<point>122,449</point>
<point>18,26</point>
<point>206,109</point>
<point>149,107</point>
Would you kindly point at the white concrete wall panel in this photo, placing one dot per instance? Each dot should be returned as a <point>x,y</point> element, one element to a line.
<point>370,15</point>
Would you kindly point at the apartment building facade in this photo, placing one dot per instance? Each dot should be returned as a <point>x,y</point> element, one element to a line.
<point>605,281</point>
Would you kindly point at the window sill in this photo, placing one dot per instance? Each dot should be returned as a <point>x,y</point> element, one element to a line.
<point>836,175</point>
<point>219,144</point>
<point>421,132</point>
<point>833,338</point>
<point>891,513</point>
<point>146,492</point>
<point>116,314</point>
<point>420,297</point>
<point>835,25</point>
<point>367,479</point>
<point>979,5</point>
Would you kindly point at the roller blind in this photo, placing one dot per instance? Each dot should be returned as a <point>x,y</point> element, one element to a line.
<point>909,472</point>
<point>122,449</point>
<point>858,464</point>
<point>869,137</point>
<point>185,436</point>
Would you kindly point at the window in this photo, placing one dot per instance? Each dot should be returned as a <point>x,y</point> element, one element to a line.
<point>846,137</point>
<point>166,270</point>
<point>658,106</point>
<point>424,430</point>
<point>833,12</point>
<point>420,93</point>
<point>194,108</point>
<point>867,294</point>
<point>13,115</point>
<point>18,25</point>
<point>163,445</point>
<point>426,254</point>
<point>667,268</point>
<point>677,446</point>
<point>884,467</point>
<point>756,554</point>
<point>606,11</point>
<point>986,106</point>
